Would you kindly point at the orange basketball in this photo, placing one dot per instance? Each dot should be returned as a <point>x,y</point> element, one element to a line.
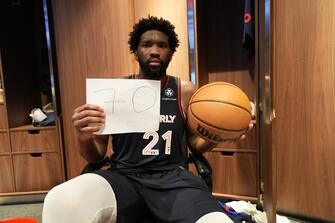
<point>219,111</point>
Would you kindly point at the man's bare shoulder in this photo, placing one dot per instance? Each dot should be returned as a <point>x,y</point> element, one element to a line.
<point>188,87</point>
<point>187,90</point>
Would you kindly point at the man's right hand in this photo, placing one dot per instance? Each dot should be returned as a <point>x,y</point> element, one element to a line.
<point>87,119</point>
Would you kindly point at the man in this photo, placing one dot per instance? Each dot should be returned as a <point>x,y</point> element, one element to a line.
<point>147,177</point>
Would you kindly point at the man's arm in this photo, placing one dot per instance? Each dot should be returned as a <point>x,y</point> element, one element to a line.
<point>88,119</point>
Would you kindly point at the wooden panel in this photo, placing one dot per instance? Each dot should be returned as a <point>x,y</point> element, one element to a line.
<point>91,39</point>
<point>176,12</point>
<point>234,174</point>
<point>34,140</point>
<point>221,57</point>
<point>304,77</point>
<point>3,117</point>
<point>37,171</point>
<point>6,175</point>
<point>4,142</point>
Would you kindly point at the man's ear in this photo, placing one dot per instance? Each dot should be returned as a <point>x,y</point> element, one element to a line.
<point>136,56</point>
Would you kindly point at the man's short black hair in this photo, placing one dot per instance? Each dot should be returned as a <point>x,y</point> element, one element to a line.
<point>153,23</point>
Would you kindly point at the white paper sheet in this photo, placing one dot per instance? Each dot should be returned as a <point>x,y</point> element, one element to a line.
<point>129,105</point>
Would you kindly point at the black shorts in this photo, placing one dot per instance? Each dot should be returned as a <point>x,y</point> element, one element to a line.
<point>169,196</point>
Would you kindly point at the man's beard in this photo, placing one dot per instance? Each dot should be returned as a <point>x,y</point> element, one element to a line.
<point>154,73</point>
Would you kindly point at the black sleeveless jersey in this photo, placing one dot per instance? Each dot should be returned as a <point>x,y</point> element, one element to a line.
<point>164,149</point>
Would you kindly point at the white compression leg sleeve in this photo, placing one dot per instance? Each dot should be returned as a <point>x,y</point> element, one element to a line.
<point>88,198</point>
<point>214,217</point>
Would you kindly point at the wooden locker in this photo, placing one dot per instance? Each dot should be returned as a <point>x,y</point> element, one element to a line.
<point>220,56</point>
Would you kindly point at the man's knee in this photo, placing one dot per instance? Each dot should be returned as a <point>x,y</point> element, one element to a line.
<point>214,217</point>
<point>58,203</point>
<point>88,198</point>
<point>55,197</point>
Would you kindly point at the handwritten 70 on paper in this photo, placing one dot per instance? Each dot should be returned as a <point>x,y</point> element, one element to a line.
<point>129,105</point>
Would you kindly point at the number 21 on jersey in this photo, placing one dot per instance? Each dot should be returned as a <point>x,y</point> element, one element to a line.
<point>150,148</point>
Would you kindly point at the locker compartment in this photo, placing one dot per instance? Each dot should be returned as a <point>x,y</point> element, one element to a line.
<point>34,140</point>
<point>234,173</point>
<point>36,171</point>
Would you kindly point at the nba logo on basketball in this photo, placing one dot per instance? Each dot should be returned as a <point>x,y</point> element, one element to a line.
<point>205,133</point>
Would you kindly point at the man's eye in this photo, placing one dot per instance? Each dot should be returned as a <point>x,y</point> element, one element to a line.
<point>162,45</point>
<point>146,44</point>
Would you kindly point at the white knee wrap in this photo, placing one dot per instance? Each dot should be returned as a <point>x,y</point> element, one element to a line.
<point>88,198</point>
<point>214,217</point>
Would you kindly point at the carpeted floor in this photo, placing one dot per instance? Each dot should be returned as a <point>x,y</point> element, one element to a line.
<point>22,210</point>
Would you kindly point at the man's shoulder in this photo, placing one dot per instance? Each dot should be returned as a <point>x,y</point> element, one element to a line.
<point>188,86</point>
<point>187,90</point>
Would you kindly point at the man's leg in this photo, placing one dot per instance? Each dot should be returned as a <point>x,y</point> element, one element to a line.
<point>130,204</point>
<point>88,198</point>
<point>179,196</point>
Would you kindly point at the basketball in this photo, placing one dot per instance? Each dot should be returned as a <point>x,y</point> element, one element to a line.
<point>219,112</point>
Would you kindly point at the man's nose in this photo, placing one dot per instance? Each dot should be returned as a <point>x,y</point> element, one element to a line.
<point>155,51</point>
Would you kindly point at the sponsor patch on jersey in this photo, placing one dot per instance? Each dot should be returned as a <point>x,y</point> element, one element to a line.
<point>169,95</point>
<point>169,92</point>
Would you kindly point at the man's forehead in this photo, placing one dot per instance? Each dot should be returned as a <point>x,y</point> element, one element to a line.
<point>154,35</point>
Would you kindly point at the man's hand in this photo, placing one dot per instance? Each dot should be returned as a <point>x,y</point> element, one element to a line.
<point>251,126</point>
<point>87,119</point>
